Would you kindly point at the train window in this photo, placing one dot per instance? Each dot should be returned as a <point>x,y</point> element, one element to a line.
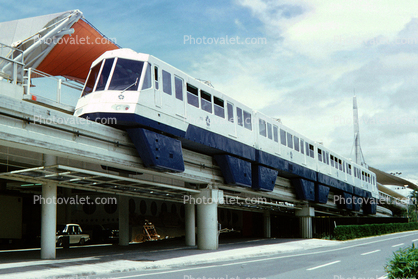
<point>296,142</point>
<point>302,143</point>
<point>247,120</point>
<point>178,84</point>
<point>289,140</point>
<point>332,160</point>
<point>239,116</point>
<point>362,175</point>
<point>344,170</point>
<point>156,77</point>
<point>166,82</point>
<point>327,157</point>
<point>283,137</point>
<point>206,101</point>
<point>147,78</point>
<point>104,75</point>
<point>192,95</point>
<point>269,131</point>
<point>219,107</point>
<point>126,75</point>
<point>276,133</point>
<point>262,127</point>
<point>348,168</point>
<point>336,162</point>
<point>88,88</point>
<point>307,148</point>
<point>355,172</point>
<point>311,151</point>
<point>230,112</point>
<point>319,155</point>
<point>340,165</point>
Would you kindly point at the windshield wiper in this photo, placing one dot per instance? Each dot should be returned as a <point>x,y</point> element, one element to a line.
<point>123,91</point>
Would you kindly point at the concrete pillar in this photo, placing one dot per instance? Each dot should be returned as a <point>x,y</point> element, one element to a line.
<point>305,220</point>
<point>123,206</point>
<point>267,224</point>
<point>48,221</point>
<point>207,218</point>
<point>190,224</point>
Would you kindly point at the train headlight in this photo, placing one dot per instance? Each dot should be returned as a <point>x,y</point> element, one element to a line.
<point>120,107</point>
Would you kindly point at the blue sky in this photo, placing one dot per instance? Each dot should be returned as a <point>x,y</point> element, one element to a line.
<point>318,53</point>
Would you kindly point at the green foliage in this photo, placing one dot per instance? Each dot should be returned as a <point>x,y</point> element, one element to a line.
<point>404,264</point>
<point>356,231</point>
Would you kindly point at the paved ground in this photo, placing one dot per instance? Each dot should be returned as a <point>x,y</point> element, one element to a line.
<point>87,260</point>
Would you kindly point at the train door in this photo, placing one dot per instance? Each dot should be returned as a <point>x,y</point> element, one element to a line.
<point>157,87</point>
<point>179,103</point>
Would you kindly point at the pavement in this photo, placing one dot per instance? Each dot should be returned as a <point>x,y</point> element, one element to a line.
<point>84,261</point>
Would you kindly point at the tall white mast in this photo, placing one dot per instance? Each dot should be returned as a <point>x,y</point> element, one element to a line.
<point>357,133</point>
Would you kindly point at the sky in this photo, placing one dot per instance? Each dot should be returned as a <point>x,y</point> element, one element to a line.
<point>303,63</point>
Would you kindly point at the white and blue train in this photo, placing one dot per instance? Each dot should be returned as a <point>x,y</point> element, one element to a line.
<point>164,110</point>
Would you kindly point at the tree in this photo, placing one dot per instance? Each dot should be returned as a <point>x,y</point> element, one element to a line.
<point>413,206</point>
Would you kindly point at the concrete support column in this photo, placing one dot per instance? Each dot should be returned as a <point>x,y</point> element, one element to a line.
<point>48,221</point>
<point>305,220</point>
<point>190,224</point>
<point>207,218</point>
<point>123,206</point>
<point>267,224</point>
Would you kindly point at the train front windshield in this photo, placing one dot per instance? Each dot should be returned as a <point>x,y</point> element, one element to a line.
<point>126,76</point>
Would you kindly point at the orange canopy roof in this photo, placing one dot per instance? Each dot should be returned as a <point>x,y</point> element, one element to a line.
<point>73,54</point>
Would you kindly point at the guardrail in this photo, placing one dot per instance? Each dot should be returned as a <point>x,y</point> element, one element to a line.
<point>51,86</point>
<point>11,64</point>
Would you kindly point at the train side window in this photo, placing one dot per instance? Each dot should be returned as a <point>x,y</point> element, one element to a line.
<point>296,143</point>
<point>247,120</point>
<point>276,133</point>
<point>219,107</point>
<point>239,116</point>
<point>307,148</point>
<point>349,168</point>
<point>230,108</point>
<point>156,77</point>
<point>343,163</point>
<point>147,79</point>
<point>178,84</point>
<point>319,155</point>
<point>206,101</point>
<point>332,160</point>
<point>91,80</point>
<point>327,157</point>
<point>283,136</point>
<point>336,162</point>
<point>262,127</point>
<point>166,82</point>
<point>355,172</point>
<point>192,95</point>
<point>340,165</point>
<point>289,140</point>
<point>302,143</point>
<point>311,151</point>
<point>269,131</point>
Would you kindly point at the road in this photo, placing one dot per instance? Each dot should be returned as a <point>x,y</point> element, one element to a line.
<point>358,259</point>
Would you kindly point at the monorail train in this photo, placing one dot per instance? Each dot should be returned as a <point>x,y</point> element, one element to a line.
<point>164,110</point>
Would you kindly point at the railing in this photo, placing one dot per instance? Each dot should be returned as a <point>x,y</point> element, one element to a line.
<point>49,89</point>
<point>11,64</point>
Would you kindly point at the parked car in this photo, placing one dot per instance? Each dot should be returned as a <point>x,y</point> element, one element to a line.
<point>102,233</point>
<point>112,232</point>
<point>75,233</point>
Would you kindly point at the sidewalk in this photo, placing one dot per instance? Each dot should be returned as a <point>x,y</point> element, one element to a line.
<point>161,254</point>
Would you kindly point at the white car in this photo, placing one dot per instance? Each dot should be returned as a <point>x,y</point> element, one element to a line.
<point>75,233</point>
